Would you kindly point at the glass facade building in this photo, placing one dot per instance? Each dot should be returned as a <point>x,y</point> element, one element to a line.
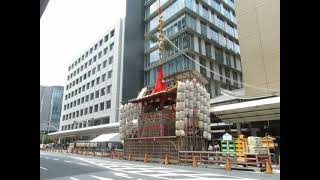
<point>206,31</point>
<point>50,107</point>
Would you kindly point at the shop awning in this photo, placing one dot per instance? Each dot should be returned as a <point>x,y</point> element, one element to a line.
<point>112,137</point>
<point>251,111</point>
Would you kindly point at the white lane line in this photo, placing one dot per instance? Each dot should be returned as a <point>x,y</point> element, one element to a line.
<point>67,161</point>
<point>82,164</point>
<point>101,178</point>
<point>46,157</point>
<point>122,175</point>
<point>74,178</point>
<point>43,168</point>
<point>56,159</point>
<point>276,171</point>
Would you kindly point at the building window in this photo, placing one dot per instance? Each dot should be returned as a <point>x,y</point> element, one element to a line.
<point>95,46</point>
<point>100,54</point>
<point>112,33</point>
<point>91,50</point>
<point>109,89</point>
<point>111,46</point>
<point>97,93</point>
<point>77,114</point>
<point>82,100</point>
<point>98,80</point>
<point>203,29</point>
<point>99,67</point>
<point>93,70</point>
<point>96,108</point>
<point>90,109</point>
<point>73,115</point>
<point>78,101</point>
<point>92,83</point>
<point>85,111</point>
<point>90,62</point>
<point>203,70</point>
<point>105,50</point>
<point>104,64</point>
<point>88,85</point>
<point>106,37</point>
<point>108,104</point>
<point>85,65</point>
<point>100,43</point>
<point>200,48</point>
<point>103,91</point>
<point>208,50</point>
<point>83,88</point>
<point>87,98</point>
<point>109,74</point>
<point>110,60</point>
<point>80,79</point>
<point>101,106</point>
<point>91,96</point>
<point>89,73</point>
<point>103,77</point>
<point>94,58</point>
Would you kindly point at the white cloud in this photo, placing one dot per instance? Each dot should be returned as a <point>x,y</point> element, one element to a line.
<point>68,28</point>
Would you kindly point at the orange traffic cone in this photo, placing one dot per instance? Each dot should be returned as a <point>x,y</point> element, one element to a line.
<point>166,160</point>
<point>129,158</point>
<point>145,158</point>
<point>118,155</point>
<point>194,162</point>
<point>268,167</point>
<point>228,166</point>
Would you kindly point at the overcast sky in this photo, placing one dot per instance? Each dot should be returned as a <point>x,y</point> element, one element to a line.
<point>67,29</point>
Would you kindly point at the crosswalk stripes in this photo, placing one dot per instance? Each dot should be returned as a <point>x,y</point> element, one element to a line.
<point>158,172</point>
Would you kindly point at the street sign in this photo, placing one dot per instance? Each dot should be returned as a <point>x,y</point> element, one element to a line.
<point>227,137</point>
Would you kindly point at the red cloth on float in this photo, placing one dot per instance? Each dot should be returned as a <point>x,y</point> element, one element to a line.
<point>160,84</point>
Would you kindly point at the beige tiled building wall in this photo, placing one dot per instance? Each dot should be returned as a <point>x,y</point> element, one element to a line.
<point>259,37</point>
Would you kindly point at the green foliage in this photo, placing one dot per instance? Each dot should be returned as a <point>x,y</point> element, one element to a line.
<point>154,38</point>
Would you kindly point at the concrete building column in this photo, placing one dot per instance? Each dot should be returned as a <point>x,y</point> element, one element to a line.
<point>238,128</point>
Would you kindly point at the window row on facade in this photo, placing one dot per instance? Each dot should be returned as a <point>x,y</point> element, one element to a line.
<point>87,98</point>
<point>218,19</point>
<point>187,41</point>
<point>92,71</point>
<point>90,62</point>
<point>88,85</point>
<point>102,106</point>
<point>210,33</point>
<point>84,124</point>
<point>92,49</point>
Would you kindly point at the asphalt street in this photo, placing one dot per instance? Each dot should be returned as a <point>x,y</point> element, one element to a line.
<point>58,166</point>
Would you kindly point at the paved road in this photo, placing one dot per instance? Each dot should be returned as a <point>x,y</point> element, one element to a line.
<point>57,166</point>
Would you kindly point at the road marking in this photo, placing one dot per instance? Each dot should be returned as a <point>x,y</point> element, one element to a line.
<point>122,175</point>
<point>67,161</point>
<point>159,173</point>
<point>82,164</point>
<point>74,178</point>
<point>46,157</point>
<point>43,168</point>
<point>56,159</point>
<point>101,178</point>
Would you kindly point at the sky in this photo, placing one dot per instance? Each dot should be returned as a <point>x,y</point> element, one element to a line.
<point>67,29</point>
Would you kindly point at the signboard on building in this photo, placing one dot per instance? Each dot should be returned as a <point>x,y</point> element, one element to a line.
<point>227,137</point>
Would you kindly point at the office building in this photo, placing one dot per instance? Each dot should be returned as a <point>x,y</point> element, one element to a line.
<point>50,107</point>
<point>205,30</point>
<point>259,35</point>
<point>93,89</point>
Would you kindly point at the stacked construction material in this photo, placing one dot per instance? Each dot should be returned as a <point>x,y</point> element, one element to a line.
<point>268,142</point>
<point>241,142</point>
<point>192,107</point>
<point>228,147</point>
<point>255,145</point>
